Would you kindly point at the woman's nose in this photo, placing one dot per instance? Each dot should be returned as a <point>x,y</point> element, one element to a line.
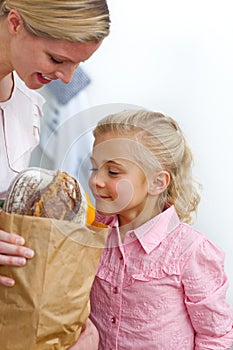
<point>66,74</point>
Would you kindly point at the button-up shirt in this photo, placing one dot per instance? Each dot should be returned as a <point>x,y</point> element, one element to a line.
<point>164,288</point>
<point>19,131</point>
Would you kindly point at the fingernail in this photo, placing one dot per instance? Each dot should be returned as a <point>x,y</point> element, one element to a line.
<point>20,241</point>
<point>21,261</point>
<point>29,253</point>
<point>10,283</point>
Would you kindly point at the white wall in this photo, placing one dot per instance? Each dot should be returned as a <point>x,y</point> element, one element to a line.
<point>177,57</point>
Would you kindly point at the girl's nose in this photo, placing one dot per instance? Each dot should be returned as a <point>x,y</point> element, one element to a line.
<point>97,179</point>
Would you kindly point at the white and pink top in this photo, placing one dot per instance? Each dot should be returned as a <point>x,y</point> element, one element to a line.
<point>19,131</point>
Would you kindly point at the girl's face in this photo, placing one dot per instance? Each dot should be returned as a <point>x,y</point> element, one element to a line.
<point>38,61</point>
<point>117,182</point>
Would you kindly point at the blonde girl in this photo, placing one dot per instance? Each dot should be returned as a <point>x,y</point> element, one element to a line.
<point>160,283</point>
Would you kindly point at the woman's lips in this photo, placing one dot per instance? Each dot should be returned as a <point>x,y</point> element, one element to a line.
<point>43,79</point>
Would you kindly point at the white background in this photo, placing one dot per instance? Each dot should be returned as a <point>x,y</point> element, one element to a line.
<point>177,57</point>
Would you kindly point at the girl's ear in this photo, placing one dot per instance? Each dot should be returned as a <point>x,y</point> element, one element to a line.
<point>159,183</point>
<point>14,21</point>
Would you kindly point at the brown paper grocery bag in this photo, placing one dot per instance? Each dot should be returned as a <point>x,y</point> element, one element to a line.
<point>49,303</point>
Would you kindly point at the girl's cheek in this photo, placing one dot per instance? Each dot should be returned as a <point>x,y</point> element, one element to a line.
<point>112,189</point>
<point>124,193</point>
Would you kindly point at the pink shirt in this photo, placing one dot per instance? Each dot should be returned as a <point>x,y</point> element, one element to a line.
<point>19,131</point>
<point>163,289</point>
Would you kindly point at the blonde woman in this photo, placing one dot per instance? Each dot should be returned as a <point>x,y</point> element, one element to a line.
<point>40,41</point>
<point>160,283</point>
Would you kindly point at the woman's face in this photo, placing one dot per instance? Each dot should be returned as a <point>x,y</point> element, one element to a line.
<point>37,61</point>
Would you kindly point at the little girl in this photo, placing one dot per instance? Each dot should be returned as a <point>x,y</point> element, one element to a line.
<point>160,284</point>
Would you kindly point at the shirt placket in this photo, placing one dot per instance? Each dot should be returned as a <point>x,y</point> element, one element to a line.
<point>116,299</point>
<point>3,126</point>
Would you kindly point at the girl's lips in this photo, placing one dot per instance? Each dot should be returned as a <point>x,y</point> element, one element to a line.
<point>42,79</point>
<point>97,196</point>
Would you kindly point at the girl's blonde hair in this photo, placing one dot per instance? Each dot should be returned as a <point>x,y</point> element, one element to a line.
<point>73,20</point>
<point>163,138</point>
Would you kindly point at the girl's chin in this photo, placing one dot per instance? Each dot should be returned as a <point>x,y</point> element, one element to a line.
<point>105,211</point>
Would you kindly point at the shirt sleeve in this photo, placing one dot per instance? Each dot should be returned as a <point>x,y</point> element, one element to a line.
<point>205,286</point>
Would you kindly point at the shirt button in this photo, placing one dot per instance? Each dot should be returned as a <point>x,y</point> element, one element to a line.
<point>132,235</point>
<point>115,290</point>
<point>113,319</point>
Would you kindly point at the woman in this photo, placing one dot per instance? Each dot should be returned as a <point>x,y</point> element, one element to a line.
<point>39,42</point>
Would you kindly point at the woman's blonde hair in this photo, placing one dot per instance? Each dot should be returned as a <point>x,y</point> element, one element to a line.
<point>73,20</point>
<point>163,138</point>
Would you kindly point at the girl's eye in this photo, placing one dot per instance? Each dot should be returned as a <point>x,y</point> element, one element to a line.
<point>113,172</point>
<point>55,60</point>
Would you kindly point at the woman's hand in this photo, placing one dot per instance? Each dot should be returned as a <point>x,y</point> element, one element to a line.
<point>89,338</point>
<point>12,253</point>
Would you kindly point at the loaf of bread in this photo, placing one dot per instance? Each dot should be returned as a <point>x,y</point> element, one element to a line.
<point>47,193</point>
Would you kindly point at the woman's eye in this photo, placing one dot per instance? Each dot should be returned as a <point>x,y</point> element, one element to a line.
<point>55,60</point>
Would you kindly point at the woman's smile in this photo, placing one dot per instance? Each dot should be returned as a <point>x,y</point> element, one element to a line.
<point>43,79</point>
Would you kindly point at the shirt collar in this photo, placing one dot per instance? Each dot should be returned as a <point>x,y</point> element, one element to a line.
<point>151,234</point>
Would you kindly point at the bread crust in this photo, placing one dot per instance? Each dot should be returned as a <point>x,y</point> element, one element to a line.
<point>46,193</point>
